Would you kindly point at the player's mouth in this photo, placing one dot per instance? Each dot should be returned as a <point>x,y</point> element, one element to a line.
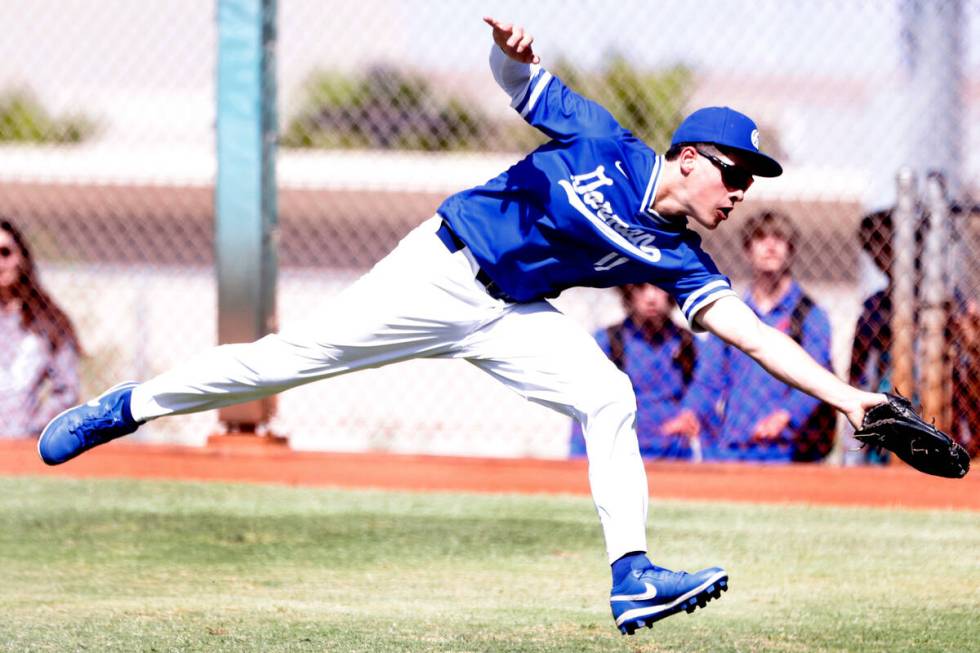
<point>724,212</point>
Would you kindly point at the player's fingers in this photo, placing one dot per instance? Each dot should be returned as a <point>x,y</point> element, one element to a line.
<point>527,56</point>
<point>515,36</point>
<point>525,42</point>
<point>499,28</point>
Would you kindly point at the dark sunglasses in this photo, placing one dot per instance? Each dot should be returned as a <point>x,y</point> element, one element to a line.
<point>731,175</point>
<point>6,251</point>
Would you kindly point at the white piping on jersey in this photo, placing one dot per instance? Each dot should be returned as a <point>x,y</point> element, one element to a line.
<point>706,288</point>
<point>652,185</point>
<point>614,234</point>
<point>539,85</point>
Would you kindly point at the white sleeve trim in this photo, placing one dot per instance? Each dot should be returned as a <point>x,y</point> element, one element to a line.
<point>695,301</point>
<point>539,85</point>
<point>711,299</point>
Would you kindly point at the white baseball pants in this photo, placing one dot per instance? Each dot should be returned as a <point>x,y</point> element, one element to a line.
<point>423,301</point>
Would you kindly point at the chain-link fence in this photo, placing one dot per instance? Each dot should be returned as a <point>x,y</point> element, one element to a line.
<point>107,165</point>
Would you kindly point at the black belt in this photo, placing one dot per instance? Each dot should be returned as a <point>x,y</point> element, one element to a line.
<point>454,244</point>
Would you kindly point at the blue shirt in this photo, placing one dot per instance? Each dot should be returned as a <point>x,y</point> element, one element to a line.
<point>576,211</point>
<point>750,393</point>
<point>871,356</point>
<point>661,390</point>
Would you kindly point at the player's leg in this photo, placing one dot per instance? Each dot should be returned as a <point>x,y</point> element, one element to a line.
<point>416,302</point>
<point>549,359</point>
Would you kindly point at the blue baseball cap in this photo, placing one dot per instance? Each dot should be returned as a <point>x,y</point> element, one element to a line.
<point>731,130</point>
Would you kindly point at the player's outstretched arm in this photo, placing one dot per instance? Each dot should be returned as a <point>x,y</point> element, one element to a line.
<point>513,40</point>
<point>542,99</point>
<point>735,323</point>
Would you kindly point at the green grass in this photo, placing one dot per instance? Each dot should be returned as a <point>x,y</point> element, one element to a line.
<point>154,566</point>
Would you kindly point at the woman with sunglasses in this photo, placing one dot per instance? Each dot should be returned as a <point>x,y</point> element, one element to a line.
<point>39,349</point>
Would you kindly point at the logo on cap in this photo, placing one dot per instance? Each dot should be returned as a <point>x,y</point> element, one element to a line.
<point>755,138</point>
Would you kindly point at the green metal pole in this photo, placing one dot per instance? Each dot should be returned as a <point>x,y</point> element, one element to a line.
<point>245,191</point>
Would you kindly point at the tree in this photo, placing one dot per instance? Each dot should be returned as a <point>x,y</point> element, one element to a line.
<point>24,120</point>
<point>649,103</point>
<point>385,108</point>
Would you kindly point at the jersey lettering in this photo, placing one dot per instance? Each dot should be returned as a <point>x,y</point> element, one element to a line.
<point>582,185</point>
<point>584,197</point>
<point>608,262</point>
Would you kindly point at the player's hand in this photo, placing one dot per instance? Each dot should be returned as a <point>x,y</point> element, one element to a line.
<point>513,40</point>
<point>686,423</point>
<point>862,403</point>
<point>772,426</point>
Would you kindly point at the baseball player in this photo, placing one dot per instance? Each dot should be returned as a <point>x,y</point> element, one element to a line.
<point>595,206</point>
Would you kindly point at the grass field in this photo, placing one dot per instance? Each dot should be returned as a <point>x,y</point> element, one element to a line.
<point>166,566</point>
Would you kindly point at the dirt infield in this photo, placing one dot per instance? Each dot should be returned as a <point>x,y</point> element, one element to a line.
<point>897,486</point>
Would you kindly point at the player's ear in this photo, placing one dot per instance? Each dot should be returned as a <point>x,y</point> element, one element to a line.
<point>687,159</point>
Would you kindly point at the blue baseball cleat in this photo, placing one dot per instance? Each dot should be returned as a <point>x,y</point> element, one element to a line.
<point>88,425</point>
<point>653,593</point>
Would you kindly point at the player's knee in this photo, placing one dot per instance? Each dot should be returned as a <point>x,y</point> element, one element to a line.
<point>611,398</point>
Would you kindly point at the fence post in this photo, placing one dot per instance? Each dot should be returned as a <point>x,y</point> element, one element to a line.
<point>245,189</point>
<point>905,218</point>
<point>935,370</point>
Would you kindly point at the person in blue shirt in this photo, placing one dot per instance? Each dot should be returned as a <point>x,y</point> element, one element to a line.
<point>594,206</point>
<point>661,360</point>
<point>764,419</point>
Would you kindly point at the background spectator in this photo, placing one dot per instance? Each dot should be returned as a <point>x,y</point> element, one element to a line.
<point>965,354</point>
<point>870,367</point>
<point>762,418</point>
<point>963,350</point>
<point>870,356</point>
<point>39,349</point>
<point>661,360</point>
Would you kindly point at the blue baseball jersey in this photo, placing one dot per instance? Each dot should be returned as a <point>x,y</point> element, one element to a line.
<point>577,210</point>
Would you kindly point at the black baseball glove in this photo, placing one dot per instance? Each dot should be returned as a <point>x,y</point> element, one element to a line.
<point>893,425</point>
